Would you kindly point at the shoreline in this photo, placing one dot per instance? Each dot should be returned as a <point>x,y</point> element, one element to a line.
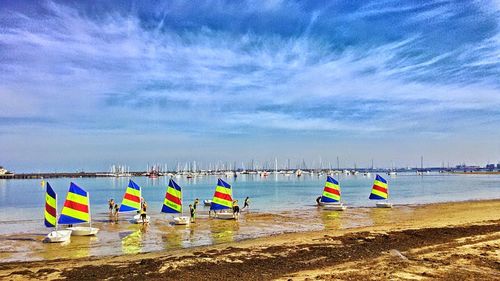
<point>473,218</point>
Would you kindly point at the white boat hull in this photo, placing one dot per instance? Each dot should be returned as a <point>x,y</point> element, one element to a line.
<point>58,236</point>
<point>384,205</point>
<point>330,203</point>
<point>181,220</point>
<point>137,219</point>
<point>83,231</point>
<point>336,207</point>
<point>225,216</point>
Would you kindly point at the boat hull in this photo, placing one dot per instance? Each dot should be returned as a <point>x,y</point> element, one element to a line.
<point>336,207</point>
<point>181,220</point>
<point>384,205</point>
<point>330,204</point>
<point>83,231</point>
<point>137,219</point>
<point>225,216</point>
<point>58,236</point>
<point>207,202</point>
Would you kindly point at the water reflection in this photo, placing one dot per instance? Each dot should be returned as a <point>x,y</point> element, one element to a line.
<point>331,219</point>
<point>132,240</point>
<point>223,231</point>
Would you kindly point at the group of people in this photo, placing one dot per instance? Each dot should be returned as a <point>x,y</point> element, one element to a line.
<point>114,207</point>
<point>235,207</point>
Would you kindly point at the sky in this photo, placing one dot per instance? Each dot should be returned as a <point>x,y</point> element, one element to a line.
<point>88,84</point>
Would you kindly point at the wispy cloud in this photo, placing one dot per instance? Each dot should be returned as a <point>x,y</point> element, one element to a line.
<point>141,69</point>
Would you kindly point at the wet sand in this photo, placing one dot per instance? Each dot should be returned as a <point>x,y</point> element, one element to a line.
<point>450,241</point>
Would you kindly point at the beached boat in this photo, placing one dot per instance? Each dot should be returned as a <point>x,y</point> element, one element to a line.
<point>222,203</point>
<point>330,199</point>
<point>57,235</point>
<point>380,191</point>
<point>173,203</point>
<point>132,202</point>
<point>76,210</point>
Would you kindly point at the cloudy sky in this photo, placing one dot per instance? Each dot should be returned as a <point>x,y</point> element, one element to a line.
<point>86,85</point>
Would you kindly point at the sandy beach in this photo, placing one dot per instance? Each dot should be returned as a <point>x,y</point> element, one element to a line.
<point>446,241</point>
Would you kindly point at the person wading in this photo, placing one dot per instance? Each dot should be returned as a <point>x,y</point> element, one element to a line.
<point>236,209</point>
<point>111,203</point>
<point>246,203</point>
<point>192,211</point>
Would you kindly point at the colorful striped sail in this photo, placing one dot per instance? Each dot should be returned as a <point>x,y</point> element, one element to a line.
<point>173,198</point>
<point>131,199</point>
<point>50,207</point>
<point>379,189</point>
<point>331,192</point>
<point>76,206</point>
<point>223,198</point>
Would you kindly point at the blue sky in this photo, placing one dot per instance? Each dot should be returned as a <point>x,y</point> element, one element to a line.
<point>86,85</point>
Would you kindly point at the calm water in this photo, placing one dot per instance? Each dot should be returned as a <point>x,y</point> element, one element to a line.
<point>22,201</point>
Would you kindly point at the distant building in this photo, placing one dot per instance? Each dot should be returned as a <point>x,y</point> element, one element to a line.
<point>490,167</point>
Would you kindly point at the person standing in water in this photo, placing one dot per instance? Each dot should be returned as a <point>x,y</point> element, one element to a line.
<point>195,204</point>
<point>236,209</point>
<point>246,203</point>
<point>144,215</point>
<point>111,203</point>
<point>318,201</point>
<point>117,207</point>
<point>192,211</point>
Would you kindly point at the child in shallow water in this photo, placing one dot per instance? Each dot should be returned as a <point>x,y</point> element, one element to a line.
<point>236,209</point>
<point>117,207</point>
<point>192,211</point>
<point>111,203</point>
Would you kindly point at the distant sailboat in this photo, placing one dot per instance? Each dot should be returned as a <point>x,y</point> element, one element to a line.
<point>380,191</point>
<point>132,201</point>
<point>223,200</point>
<point>56,236</point>
<point>76,210</point>
<point>331,195</point>
<point>173,203</point>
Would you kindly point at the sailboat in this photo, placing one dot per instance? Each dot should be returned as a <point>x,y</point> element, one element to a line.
<point>76,210</point>
<point>331,195</point>
<point>380,191</point>
<point>223,201</point>
<point>55,236</point>
<point>132,202</point>
<point>173,203</point>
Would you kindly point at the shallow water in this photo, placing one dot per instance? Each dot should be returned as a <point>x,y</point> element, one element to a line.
<point>288,198</point>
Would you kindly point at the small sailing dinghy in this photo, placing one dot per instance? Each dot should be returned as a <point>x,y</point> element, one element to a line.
<point>132,202</point>
<point>76,210</point>
<point>223,201</point>
<point>173,203</point>
<point>330,199</point>
<point>58,235</point>
<point>380,191</point>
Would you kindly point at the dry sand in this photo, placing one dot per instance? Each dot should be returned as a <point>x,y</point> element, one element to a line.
<point>449,241</point>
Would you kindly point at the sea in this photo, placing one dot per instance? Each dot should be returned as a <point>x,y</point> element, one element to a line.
<point>22,208</point>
